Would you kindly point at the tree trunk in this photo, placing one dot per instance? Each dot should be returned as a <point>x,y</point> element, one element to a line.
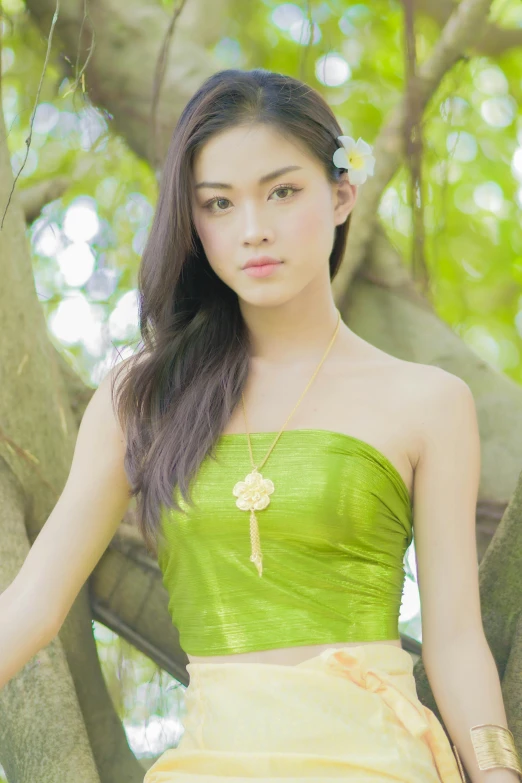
<point>40,703</point>
<point>42,400</point>
<point>36,444</point>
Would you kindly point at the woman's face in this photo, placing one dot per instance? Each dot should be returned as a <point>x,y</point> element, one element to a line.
<point>290,216</point>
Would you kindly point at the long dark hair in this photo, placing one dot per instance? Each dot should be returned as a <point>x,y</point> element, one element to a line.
<point>178,393</point>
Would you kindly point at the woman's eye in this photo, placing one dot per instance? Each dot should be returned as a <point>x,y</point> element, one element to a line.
<point>278,190</point>
<point>218,199</point>
<point>215,201</point>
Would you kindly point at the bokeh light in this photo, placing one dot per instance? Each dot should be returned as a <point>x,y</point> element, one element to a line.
<point>332,70</point>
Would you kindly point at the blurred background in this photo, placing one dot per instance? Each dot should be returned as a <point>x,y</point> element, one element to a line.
<point>87,185</point>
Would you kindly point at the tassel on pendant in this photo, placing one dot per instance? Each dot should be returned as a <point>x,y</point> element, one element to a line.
<point>256,556</point>
<point>253,494</point>
<point>254,491</point>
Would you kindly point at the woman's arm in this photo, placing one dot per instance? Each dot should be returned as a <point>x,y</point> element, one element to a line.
<point>458,661</point>
<point>73,539</point>
<point>24,630</point>
<point>465,683</point>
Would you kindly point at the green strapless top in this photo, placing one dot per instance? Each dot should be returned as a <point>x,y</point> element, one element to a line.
<point>333,539</point>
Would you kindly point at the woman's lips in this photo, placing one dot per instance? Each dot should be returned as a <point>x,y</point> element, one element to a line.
<point>261,271</point>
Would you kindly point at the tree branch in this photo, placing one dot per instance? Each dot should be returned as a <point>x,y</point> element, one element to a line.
<point>37,419</point>
<point>461,29</point>
<point>33,113</point>
<point>492,41</point>
<point>127,595</point>
<point>34,198</point>
<point>40,701</point>
<point>384,308</point>
<point>123,84</point>
<point>511,685</point>
<point>159,76</point>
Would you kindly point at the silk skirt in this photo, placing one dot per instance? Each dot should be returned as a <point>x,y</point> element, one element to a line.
<point>348,714</point>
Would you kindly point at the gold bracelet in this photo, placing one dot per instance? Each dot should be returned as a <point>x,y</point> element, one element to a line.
<point>495,747</point>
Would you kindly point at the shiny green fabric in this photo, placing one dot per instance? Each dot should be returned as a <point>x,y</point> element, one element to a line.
<point>333,539</point>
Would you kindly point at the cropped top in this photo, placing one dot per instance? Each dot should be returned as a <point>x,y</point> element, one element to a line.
<point>333,539</point>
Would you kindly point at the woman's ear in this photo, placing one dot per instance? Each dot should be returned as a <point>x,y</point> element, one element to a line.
<point>345,196</point>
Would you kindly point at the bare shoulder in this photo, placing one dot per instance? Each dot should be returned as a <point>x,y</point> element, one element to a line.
<point>434,387</point>
<point>437,399</point>
<point>418,383</point>
<point>111,385</point>
<point>120,370</point>
<point>428,379</point>
<point>424,397</point>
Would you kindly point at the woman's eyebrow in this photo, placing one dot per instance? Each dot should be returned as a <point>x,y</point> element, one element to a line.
<point>265,178</point>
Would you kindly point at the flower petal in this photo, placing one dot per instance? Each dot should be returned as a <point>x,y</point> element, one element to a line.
<point>243,504</point>
<point>239,488</point>
<point>363,147</point>
<point>340,159</point>
<point>347,142</point>
<point>262,503</point>
<point>357,176</point>
<point>252,480</point>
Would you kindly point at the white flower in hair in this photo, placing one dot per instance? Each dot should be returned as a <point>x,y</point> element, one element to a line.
<point>356,157</point>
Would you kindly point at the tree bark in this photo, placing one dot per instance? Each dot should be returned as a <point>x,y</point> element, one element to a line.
<point>34,198</point>
<point>121,70</point>
<point>458,34</point>
<point>37,439</point>
<point>381,305</point>
<point>40,703</point>
<point>492,41</point>
<point>128,596</point>
<point>511,686</point>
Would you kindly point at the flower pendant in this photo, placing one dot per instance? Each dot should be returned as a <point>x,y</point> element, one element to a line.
<point>253,495</point>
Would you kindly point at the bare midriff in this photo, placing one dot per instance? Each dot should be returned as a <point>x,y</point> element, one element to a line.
<point>287,656</point>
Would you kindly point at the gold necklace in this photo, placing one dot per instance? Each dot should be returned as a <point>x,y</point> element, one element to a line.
<point>253,494</point>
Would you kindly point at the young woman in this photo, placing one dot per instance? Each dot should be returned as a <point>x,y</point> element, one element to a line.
<point>279,461</point>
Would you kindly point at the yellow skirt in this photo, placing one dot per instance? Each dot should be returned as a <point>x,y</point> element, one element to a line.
<point>350,714</point>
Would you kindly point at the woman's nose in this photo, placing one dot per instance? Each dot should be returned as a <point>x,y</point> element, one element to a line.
<point>255,226</point>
